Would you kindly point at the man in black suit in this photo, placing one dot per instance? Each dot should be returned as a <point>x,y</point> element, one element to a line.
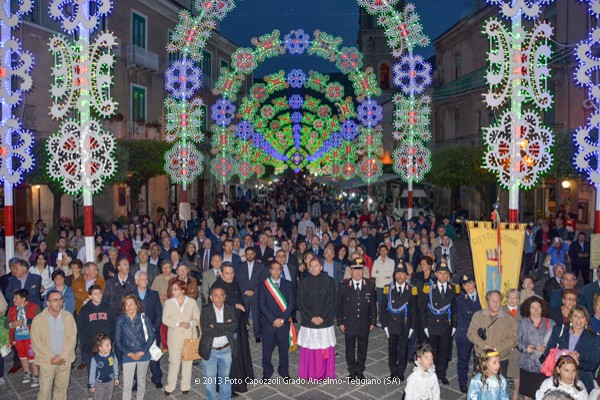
<point>579,253</point>
<point>153,309</point>
<point>399,320</point>
<point>250,275</point>
<point>356,313</point>
<point>217,346</point>
<point>22,279</point>
<point>228,254</point>
<point>264,253</point>
<point>276,301</point>
<point>438,313</point>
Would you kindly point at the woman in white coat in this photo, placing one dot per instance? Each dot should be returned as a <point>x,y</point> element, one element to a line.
<point>181,315</point>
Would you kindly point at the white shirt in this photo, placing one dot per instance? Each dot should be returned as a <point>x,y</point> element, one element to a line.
<point>219,341</point>
<point>359,283</point>
<point>443,288</point>
<point>422,385</point>
<point>400,288</point>
<point>250,268</point>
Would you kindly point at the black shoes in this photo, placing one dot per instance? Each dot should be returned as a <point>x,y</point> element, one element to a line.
<point>444,381</point>
<point>159,385</point>
<point>360,376</point>
<point>463,389</point>
<point>258,340</point>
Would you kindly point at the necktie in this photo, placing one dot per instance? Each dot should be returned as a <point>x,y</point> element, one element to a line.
<point>205,261</point>
<point>277,285</point>
<point>443,290</point>
<point>283,273</point>
<point>357,287</point>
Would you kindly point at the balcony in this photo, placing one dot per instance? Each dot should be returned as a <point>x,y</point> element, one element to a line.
<point>141,58</point>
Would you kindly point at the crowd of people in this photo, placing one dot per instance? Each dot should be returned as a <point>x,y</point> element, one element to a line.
<point>287,270</point>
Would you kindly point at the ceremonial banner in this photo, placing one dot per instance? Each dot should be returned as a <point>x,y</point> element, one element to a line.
<point>484,249</point>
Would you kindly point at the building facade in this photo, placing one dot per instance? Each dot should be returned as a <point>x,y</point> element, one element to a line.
<point>460,114</point>
<point>143,28</point>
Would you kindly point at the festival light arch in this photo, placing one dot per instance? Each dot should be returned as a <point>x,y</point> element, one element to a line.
<point>348,60</point>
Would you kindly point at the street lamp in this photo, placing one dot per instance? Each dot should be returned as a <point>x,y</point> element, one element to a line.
<point>566,184</point>
<point>39,190</point>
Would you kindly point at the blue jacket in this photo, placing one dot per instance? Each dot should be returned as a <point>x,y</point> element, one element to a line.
<point>556,299</point>
<point>129,337</point>
<point>587,347</point>
<point>465,308</point>
<point>153,309</point>
<point>33,283</point>
<point>269,310</point>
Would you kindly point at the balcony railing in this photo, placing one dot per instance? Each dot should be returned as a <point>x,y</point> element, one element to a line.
<point>140,57</point>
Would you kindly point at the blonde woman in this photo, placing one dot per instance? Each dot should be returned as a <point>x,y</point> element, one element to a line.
<point>182,317</point>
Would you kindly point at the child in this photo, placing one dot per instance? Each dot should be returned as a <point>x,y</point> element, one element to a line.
<point>4,337</point>
<point>488,383</point>
<point>19,321</point>
<point>104,368</point>
<point>564,379</point>
<point>422,384</point>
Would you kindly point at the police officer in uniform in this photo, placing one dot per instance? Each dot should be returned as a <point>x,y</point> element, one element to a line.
<point>399,320</point>
<point>356,313</point>
<point>438,314</point>
<point>466,305</point>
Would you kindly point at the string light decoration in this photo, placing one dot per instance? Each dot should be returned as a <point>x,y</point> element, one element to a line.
<point>412,75</point>
<point>183,79</point>
<point>81,153</point>
<point>15,80</point>
<point>587,138</point>
<point>518,145</point>
<point>293,132</point>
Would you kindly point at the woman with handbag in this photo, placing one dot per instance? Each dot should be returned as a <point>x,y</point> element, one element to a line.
<point>582,343</point>
<point>181,315</point>
<point>134,343</point>
<point>533,334</point>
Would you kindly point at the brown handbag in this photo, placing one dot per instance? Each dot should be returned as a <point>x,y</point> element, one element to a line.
<point>191,346</point>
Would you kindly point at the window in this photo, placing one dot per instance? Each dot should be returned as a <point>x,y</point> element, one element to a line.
<point>138,30</point>
<point>224,63</point>
<point>138,103</point>
<point>384,76</point>
<point>457,66</point>
<point>456,123</point>
<point>207,69</point>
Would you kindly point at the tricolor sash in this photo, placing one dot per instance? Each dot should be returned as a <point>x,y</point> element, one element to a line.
<point>282,303</point>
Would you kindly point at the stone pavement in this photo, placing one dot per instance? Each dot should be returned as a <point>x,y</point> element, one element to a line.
<point>376,369</point>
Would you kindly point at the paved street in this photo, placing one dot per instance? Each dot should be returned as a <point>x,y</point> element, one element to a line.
<point>376,369</point>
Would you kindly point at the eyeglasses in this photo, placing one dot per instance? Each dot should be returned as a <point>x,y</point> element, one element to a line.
<point>56,300</point>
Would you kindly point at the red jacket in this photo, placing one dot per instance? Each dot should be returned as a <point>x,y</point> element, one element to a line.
<point>31,310</point>
<point>124,249</point>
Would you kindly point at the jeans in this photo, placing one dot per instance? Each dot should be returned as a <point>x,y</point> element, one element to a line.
<point>216,370</point>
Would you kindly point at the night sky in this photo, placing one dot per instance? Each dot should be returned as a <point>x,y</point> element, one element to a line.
<point>253,18</point>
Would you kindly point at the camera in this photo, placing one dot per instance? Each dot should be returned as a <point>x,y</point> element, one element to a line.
<point>481,332</point>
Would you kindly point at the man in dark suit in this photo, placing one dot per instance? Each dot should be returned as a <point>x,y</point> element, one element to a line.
<point>22,279</point>
<point>399,320</point>
<point>6,277</point>
<point>209,277</point>
<point>438,315</point>
<point>579,253</point>
<point>153,310</point>
<point>250,275</point>
<point>217,347</point>
<point>228,254</point>
<point>276,301</point>
<point>289,272</point>
<point>356,313</point>
<point>145,265</point>
<point>118,286</point>
<point>206,254</point>
<point>264,253</point>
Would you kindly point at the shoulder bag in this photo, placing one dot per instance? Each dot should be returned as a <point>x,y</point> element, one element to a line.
<point>191,346</point>
<point>155,351</point>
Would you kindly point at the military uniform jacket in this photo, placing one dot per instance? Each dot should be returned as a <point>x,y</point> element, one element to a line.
<point>356,311</point>
<point>399,323</point>
<point>438,323</point>
<point>465,308</point>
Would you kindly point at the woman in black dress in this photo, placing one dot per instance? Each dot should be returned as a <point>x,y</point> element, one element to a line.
<point>241,365</point>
